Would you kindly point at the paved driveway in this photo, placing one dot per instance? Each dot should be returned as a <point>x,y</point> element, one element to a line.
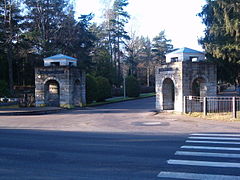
<point>126,117</point>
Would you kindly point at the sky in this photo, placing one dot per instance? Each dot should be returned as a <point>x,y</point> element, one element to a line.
<point>149,17</point>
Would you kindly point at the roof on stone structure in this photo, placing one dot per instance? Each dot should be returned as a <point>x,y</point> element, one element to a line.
<point>60,56</point>
<point>185,50</point>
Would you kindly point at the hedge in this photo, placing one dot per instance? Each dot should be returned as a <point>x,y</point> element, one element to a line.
<point>132,87</point>
<point>103,89</point>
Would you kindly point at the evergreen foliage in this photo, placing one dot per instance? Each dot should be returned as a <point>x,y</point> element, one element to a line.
<point>116,19</point>
<point>4,90</point>
<point>44,29</point>
<point>161,46</point>
<point>103,89</point>
<point>222,36</point>
<point>103,65</point>
<point>10,29</point>
<point>91,88</point>
<point>132,87</point>
<point>31,30</point>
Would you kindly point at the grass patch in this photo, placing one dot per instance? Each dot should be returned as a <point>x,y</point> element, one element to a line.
<point>120,99</point>
<point>143,95</point>
<point>224,116</point>
<point>10,106</point>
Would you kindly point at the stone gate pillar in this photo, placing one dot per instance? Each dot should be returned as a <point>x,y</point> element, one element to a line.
<point>186,73</point>
<point>60,83</point>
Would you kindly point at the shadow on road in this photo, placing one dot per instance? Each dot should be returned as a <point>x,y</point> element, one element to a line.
<point>35,154</point>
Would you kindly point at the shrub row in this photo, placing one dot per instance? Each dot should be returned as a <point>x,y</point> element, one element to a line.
<point>132,87</point>
<point>99,89</point>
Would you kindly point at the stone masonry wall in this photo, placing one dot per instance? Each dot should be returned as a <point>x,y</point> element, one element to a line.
<point>172,71</point>
<point>66,77</point>
<point>194,70</point>
<point>183,75</point>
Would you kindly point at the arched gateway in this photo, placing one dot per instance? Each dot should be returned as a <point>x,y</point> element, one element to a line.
<point>185,73</point>
<point>60,83</point>
<point>199,87</point>
<point>51,93</point>
<point>168,94</point>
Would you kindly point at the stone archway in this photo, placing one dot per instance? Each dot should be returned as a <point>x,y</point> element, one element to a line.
<point>52,93</point>
<point>168,92</point>
<point>76,96</point>
<point>199,87</point>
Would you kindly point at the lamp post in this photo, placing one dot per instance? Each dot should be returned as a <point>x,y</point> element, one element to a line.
<point>124,87</point>
<point>125,71</point>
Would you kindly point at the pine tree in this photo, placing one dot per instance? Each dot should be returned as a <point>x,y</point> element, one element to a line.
<point>103,66</point>
<point>52,29</point>
<point>43,21</point>
<point>222,35</point>
<point>10,25</point>
<point>161,46</point>
<point>134,47</point>
<point>146,57</point>
<point>116,19</point>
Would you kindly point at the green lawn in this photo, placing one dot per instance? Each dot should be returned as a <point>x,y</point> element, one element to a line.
<point>10,106</point>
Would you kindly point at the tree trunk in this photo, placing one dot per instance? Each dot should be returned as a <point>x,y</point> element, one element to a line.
<point>148,76</point>
<point>119,68</point>
<point>9,29</point>
<point>10,69</point>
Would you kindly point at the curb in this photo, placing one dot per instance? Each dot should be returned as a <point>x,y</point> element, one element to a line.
<point>29,113</point>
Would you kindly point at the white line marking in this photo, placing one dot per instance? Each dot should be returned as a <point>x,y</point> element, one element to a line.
<point>204,163</point>
<point>212,142</point>
<point>211,148</point>
<point>181,175</point>
<point>215,138</point>
<point>205,154</point>
<point>228,135</point>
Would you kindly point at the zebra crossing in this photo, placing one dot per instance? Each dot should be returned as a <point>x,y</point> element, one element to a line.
<point>206,156</point>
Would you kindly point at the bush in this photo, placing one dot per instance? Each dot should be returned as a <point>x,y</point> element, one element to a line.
<point>103,89</point>
<point>91,88</point>
<point>132,87</point>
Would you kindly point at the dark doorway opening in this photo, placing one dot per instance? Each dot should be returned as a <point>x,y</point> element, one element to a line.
<point>199,87</point>
<point>168,94</point>
<point>52,94</point>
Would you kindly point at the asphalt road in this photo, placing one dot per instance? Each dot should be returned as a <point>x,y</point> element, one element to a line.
<point>111,142</point>
<point>28,154</point>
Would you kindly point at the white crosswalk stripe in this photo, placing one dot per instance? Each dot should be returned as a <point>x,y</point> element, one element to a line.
<point>211,148</point>
<point>212,142</point>
<point>203,163</point>
<point>181,175</point>
<point>201,146</point>
<point>226,135</point>
<point>206,154</point>
<point>216,138</point>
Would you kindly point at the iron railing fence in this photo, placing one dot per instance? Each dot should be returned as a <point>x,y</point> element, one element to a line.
<point>219,104</point>
<point>212,104</point>
<point>194,104</point>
